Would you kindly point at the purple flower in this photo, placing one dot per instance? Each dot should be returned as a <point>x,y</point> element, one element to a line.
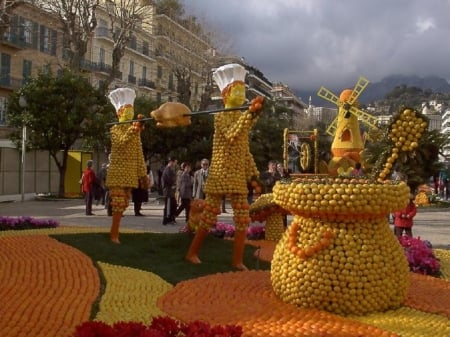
<point>420,256</point>
<point>26,222</point>
<point>228,229</point>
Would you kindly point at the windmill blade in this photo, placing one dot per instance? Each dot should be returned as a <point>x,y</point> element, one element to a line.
<point>358,89</point>
<point>364,117</point>
<point>332,128</point>
<point>328,95</point>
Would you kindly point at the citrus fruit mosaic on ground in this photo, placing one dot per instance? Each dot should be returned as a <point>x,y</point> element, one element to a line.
<point>48,288</point>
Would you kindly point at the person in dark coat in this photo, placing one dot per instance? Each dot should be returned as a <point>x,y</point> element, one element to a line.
<point>185,191</point>
<point>169,179</point>
<point>139,195</point>
<point>102,183</point>
<point>270,176</point>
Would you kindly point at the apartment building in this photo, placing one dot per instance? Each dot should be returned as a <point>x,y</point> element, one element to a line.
<point>162,56</point>
<point>35,42</point>
<point>138,64</point>
<point>282,94</point>
<point>30,44</point>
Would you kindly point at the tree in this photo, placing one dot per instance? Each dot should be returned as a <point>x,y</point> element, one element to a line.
<point>125,17</point>
<point>171,8</point>
<point>189,143</point>
<point>411,96</point>
<point>266,137</point>
<point>186,54</point>
<point>194,142</point>
<point>78,21</point>
<point>59,111</point>
<point>418,165</point>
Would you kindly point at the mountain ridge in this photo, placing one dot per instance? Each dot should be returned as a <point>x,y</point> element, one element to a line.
<point>377,90</point>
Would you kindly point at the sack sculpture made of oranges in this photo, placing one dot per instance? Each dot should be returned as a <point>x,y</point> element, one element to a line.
<point>339,253</point>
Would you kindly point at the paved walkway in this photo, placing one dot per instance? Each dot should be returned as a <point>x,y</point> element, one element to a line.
<point>430,224</point>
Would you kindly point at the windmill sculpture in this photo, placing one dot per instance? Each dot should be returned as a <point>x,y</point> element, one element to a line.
<point>347,144</point>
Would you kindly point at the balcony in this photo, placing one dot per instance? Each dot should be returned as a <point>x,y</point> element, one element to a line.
<point>146,83</point>
<point>16,41</point>
<point>118,75</point>
<point>11,83</point>
<point>103,32</point>
<point>142,50</point>
<point>88,65</point>
<point>103,67</point>
<point>132,79</point>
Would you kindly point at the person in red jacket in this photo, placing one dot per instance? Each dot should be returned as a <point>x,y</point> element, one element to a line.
<point>403,220</point>
<point>88,180</point>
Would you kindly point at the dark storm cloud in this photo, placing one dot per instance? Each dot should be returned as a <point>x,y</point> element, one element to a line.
<point>309,43</point>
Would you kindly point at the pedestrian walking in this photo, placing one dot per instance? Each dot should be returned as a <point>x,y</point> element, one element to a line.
<point>102,183</point>
<point>200,177</point>
<point>139,195</point>
<point>88,181</point>
<point>185,191</point>
<point>169,178</point>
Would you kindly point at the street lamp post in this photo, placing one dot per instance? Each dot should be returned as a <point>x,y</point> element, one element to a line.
<point>23,104</point>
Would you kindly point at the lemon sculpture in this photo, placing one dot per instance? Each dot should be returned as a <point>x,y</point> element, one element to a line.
<point>339,253</point>
<point>265,209</point>
<point>347,143</point>
<point>405,133</point>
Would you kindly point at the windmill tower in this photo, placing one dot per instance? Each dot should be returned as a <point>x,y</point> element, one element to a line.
<point>347,143</point>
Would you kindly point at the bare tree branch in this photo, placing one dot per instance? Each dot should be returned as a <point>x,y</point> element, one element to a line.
<point>125,17</point>
<point>78,21</point>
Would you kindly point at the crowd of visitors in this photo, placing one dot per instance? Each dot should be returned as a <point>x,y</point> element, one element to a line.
<point>178,184</point>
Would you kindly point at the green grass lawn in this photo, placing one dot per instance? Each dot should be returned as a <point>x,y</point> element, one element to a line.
<point>161,253</point>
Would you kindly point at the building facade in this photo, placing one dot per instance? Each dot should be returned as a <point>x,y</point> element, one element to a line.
<point>161,57</point>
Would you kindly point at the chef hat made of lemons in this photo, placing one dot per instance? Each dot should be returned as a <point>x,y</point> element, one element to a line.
<point>122,97</point>
<point>229,73</point>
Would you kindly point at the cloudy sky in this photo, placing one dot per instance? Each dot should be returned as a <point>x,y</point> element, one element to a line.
<point>309,43</point>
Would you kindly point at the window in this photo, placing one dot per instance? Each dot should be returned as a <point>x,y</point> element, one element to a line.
<point>2,110</point>
<point>145,48</point>
<point>48,40</point>
<point>133,43</point>
<point>159,72</point>
<point>46,69</point>
<point>102,28</point>
<point>22,31</point>
<point>27,31</point>
<point>131,77</point>
<point>5,71</point>
<point>131,68</point>
<point>26,70</point>
<point>144,72</point>
<point>102,56</point>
